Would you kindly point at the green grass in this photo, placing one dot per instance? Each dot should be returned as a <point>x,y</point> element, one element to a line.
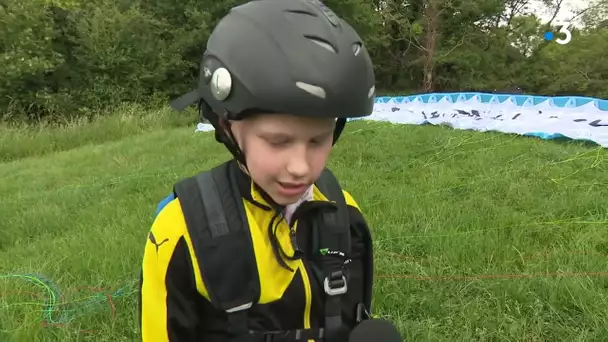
<point>479,236</point>
<point>20,141</point>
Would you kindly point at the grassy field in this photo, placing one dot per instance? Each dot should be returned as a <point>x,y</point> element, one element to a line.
<point>479,236</point>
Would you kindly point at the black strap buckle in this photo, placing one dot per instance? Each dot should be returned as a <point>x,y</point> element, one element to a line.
<point>335,283</point>
<point>362,313</point>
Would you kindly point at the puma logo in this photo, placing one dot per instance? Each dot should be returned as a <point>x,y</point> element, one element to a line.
<point>156,244</point>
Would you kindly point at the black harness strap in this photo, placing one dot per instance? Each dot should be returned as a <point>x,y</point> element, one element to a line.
<point>217,223</point>
<point>329,185</point>
<point>298,335</point>
<point>334,247</point>
<point>218,233</point>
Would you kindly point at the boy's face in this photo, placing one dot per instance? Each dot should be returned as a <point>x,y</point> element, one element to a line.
<point>285,154</point>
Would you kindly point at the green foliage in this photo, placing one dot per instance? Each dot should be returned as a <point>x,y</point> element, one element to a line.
<point>73,58</point>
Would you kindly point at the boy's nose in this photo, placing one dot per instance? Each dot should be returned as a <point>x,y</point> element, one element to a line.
<point>298,166</point>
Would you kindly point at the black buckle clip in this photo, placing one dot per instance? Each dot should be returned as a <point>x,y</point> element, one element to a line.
<point>362,313</point>
<point>335,283</point>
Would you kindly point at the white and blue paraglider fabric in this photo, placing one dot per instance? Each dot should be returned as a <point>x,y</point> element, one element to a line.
<point>576,118</point>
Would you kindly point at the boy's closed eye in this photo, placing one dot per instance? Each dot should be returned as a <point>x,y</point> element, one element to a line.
<point>281,139</point>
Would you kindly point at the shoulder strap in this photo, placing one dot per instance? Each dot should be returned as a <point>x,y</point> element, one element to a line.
<point>334,240</point>
<point>329,185</point>
<point>336,232</point>
<point>215,215</point>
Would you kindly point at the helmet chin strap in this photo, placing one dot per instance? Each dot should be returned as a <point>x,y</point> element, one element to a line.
<point>340,123</point>
<point>225,128</point>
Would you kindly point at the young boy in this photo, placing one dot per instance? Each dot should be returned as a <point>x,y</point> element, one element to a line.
<point>278,80</point>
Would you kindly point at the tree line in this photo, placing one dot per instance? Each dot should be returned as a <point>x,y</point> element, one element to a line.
<point>65,58</point>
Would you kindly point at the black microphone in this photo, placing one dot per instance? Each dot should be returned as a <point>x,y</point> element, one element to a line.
<point>375,330</point>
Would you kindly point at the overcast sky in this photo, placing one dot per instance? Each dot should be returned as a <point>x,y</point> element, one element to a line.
<point>567,11</point>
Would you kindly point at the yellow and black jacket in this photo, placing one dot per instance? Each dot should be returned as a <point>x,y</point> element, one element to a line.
<point>289,299</point>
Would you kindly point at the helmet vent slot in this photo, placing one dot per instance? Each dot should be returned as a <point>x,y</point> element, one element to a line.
<point>357,47</point>
<point>299,11</point>
<point>322,43</point>
<point>312,89</point>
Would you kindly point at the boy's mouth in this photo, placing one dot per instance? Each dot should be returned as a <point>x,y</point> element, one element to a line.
<point>292,189</point>
<point>293,185</point>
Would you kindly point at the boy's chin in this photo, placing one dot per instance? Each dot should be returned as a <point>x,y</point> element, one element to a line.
<point>284,200</point>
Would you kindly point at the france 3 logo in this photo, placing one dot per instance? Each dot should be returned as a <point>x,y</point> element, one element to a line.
<point>564,36</point>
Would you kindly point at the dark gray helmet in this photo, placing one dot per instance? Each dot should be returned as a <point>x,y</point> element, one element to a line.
<point>284,56</point>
